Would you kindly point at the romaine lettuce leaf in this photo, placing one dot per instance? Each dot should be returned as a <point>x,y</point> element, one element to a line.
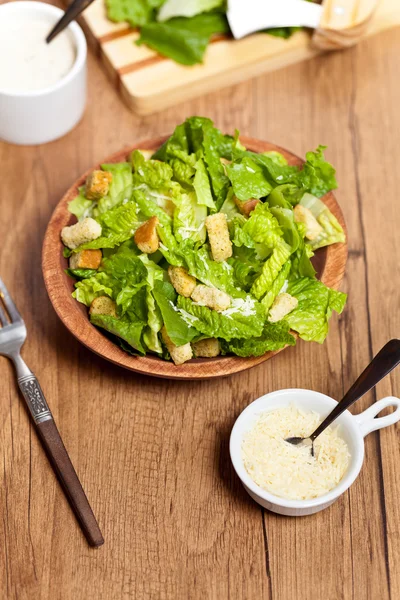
<point>189,219</point>
<point>118,225</point>
<point>202,187</point>
<point>135,12</point>
<point>93,287</point>
<point>263,226</point>
<point>153,173</point>
<point>120,187</point>
<point>80,273</point>
<point>274,337</point>
<point>229,207</point>
<point>316,303</point>
<point>276,286</point>
<point>202,267</point>
<point>179,330</point>
<point>285,196</point>
<point>248,179</point>
<point>244,319</point>
<point>154,324</point>
<point>130,331</point>
<point>186,8</point>
<point>182,39</point>
<point>332,231</point>
<point>80,206</point>
<point>270,270</point>
<point>317,175</point>
<point>246,267</point>
<point>301,263</point>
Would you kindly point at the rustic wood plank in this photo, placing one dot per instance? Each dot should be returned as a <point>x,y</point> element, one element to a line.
<point>153,455</point>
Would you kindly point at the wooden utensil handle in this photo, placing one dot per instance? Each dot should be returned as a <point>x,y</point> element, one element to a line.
<point>344,14</point>
<point>343,23</point>
<point>68,478</point>
<point>56,452</point>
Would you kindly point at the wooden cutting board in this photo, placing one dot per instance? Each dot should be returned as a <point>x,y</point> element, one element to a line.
<point>149,82</point>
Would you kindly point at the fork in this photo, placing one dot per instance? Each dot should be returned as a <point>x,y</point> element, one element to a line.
<point>12,337</point>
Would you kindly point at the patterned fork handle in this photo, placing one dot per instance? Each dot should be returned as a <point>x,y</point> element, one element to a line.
<point>58,456</point>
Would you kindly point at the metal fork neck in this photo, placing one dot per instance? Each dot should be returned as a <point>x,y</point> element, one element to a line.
<point>21,367</point>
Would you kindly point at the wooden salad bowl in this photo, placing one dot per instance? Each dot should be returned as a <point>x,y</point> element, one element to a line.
<point>329,262</point>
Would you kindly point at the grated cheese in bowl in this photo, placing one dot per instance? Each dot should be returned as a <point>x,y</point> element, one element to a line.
<point>291,471</point>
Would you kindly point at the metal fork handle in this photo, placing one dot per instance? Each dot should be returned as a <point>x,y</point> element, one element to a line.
<point>56,452</point>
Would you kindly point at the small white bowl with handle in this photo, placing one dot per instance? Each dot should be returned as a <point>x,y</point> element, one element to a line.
<point>352,428</point>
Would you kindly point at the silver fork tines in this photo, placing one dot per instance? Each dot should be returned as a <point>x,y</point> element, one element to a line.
<point>9,303</point>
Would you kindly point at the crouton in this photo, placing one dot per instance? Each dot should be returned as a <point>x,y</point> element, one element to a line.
<point>208,348</point>
<point>183,283</point>
<point>282,306</point>
<point>246,206</point>
<point>97,184</point>
<point>80,233</point>
<point>304,215</point>
<point>211,297</point>
<point>85,259</point>
<point>103,305</point>
<point>218,235</point>
<point>146,237</point>
<point>179,354</point>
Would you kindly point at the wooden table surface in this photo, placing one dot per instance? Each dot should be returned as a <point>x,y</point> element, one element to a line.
<point>153,454</point>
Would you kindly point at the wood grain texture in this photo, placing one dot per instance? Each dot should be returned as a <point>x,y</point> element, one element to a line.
<point>329,263</point>
<point>153,454</point>
<point>149,82</point>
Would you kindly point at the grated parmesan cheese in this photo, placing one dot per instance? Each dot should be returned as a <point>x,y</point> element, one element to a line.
<point>291,471</point>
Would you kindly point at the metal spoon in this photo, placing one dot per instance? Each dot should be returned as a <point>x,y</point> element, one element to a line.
<point>387,359</point>
<point>70,14</point>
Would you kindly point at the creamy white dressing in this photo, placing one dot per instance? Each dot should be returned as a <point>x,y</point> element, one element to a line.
<point>27,62</point>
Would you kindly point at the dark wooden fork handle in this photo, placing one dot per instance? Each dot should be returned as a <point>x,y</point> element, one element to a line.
<point>58,455</point>
<point>68,478</point>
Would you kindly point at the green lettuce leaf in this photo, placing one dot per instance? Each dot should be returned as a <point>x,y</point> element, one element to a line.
<point>80,273</point>
<point>246,267</point>
<point>270,270</point>
<point>135,12</point>
<point>316,303</point>
<point>184,40</point>
<point>118,225</point>
<point>229,207</point>
<point>80,206</point>
<point>93,287</point>
<point>276,286</point>
<point>332,231</point>
<point>274,337</point>
<point>179,329</point>
<point>248,179</point>
<point>124,328</point>
<point>263,227</point>
<point>317,175</point>
<point>120,187</point>
<point>186,8</point>
<point>301,263</point>
<point>202,187</point>
<point>202,267</point>
<point>189,219</point>
<point>244,319</point>
<point>285,196</point>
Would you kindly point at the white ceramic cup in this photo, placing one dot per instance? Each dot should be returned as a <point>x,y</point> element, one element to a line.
<point>352,428</point>
<point>36,117</point>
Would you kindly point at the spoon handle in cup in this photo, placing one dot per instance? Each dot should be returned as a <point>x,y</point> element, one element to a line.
<point>385,361</point>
